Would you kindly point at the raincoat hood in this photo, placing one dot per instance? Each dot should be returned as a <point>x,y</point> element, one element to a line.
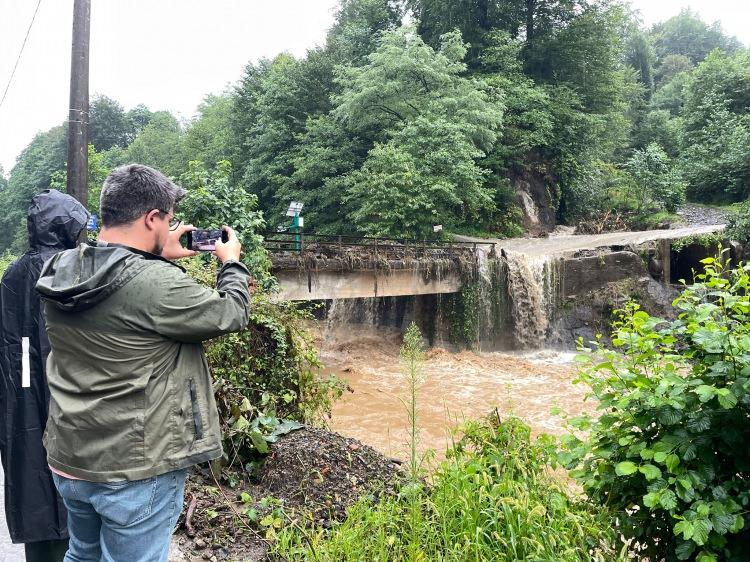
<point>78,279</point>
<point>55,221</point>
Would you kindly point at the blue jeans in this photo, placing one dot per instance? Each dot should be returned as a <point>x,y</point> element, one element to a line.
<point>128,521</point>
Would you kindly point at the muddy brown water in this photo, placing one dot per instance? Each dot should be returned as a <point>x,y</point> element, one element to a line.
<point>455,387</point>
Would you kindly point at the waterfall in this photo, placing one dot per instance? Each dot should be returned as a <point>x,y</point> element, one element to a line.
<point>528,305</point>
<point>511,298</point>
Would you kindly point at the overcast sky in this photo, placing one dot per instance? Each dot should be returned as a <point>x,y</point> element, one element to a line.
<point>168,54</point>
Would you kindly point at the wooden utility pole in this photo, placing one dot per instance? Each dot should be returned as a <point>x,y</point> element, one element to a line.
<point>78,118</point>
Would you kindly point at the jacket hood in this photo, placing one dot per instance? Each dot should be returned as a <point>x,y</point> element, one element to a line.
<point>77,279</point>
<point>55,221</point>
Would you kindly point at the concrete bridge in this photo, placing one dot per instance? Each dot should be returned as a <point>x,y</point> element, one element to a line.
<point>321,267</point>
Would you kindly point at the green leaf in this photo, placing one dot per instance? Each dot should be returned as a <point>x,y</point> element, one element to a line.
<point>258,441</point>
<point>704,556</point>
<point>685,528</point>
<point>672,462</point>
<point>727,400</point>
<point>647,454</point>
<point>722,523</point>
<point>701,530</point>
<point>625,468</point>
<point>684,549</point>
<point>668,499</point>
<point>660,457</point>
<point>705,392</point>
<point>650,471</point>
<point>651,499</point>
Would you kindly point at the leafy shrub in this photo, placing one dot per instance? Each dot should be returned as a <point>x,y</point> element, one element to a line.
<point>212,201</point>
<point>655,181</point>
<point>668,451</point>
<point>739,223</point>
<point>492,499</point>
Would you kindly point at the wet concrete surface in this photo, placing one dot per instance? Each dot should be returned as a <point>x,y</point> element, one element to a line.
<point>569,243</point>
<point>9,552</point>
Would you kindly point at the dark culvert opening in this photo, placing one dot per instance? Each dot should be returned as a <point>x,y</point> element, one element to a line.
<point>686,262</point>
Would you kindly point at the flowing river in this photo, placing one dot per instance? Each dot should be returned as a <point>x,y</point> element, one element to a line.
<point>456,386</point>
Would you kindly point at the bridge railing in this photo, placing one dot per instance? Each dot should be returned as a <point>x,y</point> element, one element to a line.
<point>299,242</point>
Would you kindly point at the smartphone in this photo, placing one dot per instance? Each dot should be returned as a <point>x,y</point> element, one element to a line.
<point>204,239</point>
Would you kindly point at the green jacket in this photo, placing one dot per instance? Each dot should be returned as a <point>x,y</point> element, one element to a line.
<point>131,393</point>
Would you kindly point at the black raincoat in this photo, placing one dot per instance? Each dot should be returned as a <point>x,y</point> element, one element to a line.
<point>33,509</point>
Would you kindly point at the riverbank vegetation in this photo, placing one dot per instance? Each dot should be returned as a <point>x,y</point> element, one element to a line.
<point>476,115</point>
<point>667,449</point>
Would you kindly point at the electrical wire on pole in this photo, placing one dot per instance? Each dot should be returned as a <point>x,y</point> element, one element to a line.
<point>18,58</point>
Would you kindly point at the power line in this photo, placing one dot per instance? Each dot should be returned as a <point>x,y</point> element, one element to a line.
<point>20,53</point>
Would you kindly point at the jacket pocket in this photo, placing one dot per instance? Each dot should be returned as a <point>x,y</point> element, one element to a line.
<point>195,408</point>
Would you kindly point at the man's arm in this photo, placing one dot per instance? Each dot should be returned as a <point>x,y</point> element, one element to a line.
<point>185,310</point>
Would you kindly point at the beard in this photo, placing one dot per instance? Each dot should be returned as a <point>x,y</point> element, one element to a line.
<point>157,248</point>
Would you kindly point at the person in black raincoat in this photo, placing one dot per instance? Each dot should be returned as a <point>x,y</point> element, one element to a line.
<point>34,511</point>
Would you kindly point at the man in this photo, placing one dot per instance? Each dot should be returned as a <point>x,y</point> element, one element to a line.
<point>33,510</point>
<point>132,405</point>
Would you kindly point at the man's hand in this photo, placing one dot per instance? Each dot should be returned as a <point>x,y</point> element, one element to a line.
<point>174,248</point>
<point>229,250</point>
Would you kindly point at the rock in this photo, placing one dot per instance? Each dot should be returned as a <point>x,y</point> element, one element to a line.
<point>585,273</point>
<point>532,194</point>
<point>199,544</point>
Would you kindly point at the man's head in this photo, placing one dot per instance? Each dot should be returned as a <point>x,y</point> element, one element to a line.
<point>138,203</point>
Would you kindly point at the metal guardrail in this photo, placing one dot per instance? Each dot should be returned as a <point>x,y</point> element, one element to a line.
<point>302,241</point>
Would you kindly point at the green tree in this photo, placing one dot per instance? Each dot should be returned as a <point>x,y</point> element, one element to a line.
<point>658,126</point>
<point>275,100</point>
<point>160,144</point>
<point>716,118</point>
<point>671,66</point>
<point>436,122</point>
<point>656,181</point>
<point>640,55</point>
<point>671,95</point>
<point>358,26</point>
<point>108,124</point>
<point>32,173</point>
<point>686,34</point>
<point>209,137</point>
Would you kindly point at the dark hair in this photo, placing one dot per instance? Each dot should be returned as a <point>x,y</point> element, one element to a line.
<point>133,190</point>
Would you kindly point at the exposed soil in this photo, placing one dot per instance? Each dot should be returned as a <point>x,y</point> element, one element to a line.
<point>309,473</point>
